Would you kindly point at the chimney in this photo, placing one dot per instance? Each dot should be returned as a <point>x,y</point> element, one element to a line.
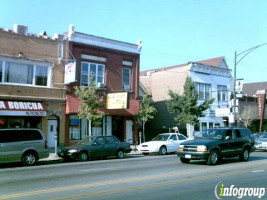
<point>20,29</point>
<point>71,30</point>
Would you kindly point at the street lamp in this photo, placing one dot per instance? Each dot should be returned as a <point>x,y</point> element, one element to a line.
<point>236,61</point>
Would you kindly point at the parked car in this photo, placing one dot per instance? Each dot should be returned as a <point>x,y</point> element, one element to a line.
<point>94,147</point>
<point>256,135</point>
<point>22,144</point>
<point>163,143</point>
<point>261,142</point>
<point>214,144</point>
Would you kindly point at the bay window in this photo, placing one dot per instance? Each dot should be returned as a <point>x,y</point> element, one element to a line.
<point>203,90</point>
<point>222,92</point>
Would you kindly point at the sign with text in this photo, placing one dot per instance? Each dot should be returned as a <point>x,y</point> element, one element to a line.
<point>117,100</point>
<point>20,108</point>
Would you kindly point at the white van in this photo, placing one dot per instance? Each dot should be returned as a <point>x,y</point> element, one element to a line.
<point>22,144</point>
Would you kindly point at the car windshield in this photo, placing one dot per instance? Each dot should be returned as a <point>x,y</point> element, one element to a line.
<point>161,137</point>
<point>212,134</point>
<point>86,140</point>
<point>264,135</point>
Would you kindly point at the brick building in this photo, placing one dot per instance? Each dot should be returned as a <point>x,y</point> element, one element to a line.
<point>115,65</point>
<point>32,92</point>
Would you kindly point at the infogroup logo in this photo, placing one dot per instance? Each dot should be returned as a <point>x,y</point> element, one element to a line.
<point>222,191</point>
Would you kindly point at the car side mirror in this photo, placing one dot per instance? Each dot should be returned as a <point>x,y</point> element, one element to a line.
<point>171,140</point>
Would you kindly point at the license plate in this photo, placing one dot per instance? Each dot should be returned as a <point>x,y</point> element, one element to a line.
<point>187,156</point>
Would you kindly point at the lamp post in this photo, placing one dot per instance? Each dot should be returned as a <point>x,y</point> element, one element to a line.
<point>236,61</point>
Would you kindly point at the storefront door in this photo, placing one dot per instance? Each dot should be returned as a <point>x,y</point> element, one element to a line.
<point>51,132</point>
<point>129,131</point>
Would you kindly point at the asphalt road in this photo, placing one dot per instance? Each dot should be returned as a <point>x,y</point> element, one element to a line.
<point>135,177</point>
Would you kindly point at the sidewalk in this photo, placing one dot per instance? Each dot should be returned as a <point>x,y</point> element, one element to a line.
<point>54,157</point>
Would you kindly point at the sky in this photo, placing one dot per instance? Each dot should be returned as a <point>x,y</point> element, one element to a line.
<point>172,31</point>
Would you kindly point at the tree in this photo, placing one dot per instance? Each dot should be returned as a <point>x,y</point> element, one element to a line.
<point>92,102</point>
<point>246,116</point>
<point>186,105</point>
<point>146,111</point>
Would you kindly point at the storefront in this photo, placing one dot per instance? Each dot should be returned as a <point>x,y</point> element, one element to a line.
<point>17,114</point>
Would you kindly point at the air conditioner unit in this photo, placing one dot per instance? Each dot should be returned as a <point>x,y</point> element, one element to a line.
<point>126,87</point>
<point>100,85</point>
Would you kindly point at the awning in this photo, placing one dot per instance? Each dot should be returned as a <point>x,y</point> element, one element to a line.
<point>22,108</point>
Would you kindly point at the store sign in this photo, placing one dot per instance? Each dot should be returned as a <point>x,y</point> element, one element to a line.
<point>261,101</point>
<point>70,72</point>
<point>117,100</point>
<point>19,108</point>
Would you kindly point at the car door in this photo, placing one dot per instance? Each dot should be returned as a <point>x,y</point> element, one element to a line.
<point>228,143</point>
<point>239,142</point>
<point>98,147</point>
<point>172,143</point>
<point>111,146</point>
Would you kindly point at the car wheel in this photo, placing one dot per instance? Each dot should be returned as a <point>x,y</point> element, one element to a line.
<point>213,158</point>
<point>245,155</point>
<point>29,159</point>
<point>162,150</point>
<point>120,154</point>
<point>83,156</point>
<point>184,160</point>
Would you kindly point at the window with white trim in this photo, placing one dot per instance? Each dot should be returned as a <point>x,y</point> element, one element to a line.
<point>203,90</point>
<point>222,92</point>
<point>24,73</point>
<point>98,70</point>
<point>126,78</point>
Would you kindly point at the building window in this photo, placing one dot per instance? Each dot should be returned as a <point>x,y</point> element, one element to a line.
<point>222,93</point>
<point>98,70</point>
<point>24,74</point>
<point>126,78</point>
<point>203,90</point>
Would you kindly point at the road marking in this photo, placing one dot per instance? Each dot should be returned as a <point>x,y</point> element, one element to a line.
<point>138,179</point>
<point>89,170</point>
<point>151,185</point>
<point>261,170</point>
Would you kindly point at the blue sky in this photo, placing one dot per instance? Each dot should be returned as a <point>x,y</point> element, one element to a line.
<point>173,31</point>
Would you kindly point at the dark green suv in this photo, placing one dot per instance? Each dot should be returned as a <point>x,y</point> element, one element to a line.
<point>214,144</point>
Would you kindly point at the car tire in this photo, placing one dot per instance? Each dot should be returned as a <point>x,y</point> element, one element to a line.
<point>162,150</point>
<point>213,158</point>
<point>83,156</point>
<point>245,155</point>
<point>29,159</point>
<point>120,154</point>
<point>184,160</point>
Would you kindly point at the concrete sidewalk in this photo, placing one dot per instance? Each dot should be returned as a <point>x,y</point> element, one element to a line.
<point>53,156</point>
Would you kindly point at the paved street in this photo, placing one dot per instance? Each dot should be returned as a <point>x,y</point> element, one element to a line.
<point>135,177</point>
